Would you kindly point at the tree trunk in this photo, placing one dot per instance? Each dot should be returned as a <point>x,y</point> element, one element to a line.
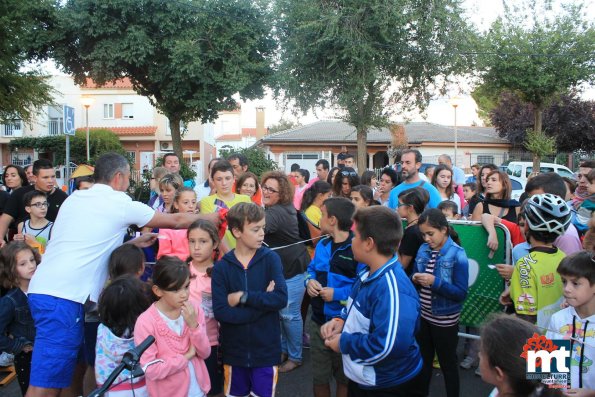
<point>362,150</point>
<point>176,138</point>
<point>537,125</point>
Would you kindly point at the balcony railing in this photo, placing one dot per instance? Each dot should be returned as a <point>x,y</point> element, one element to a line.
<point>11,129</point>
<point>55,127</point>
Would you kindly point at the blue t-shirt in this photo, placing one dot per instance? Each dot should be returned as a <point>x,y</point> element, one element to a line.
<point>435,199</point>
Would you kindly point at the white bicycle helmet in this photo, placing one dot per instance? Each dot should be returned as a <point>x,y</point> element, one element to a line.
<point>547,213</point>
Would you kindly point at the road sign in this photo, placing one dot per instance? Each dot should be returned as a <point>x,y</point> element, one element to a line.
<point>68,118</point>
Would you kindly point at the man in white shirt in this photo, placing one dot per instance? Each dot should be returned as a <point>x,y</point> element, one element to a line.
<point>90,225</point>
<point>458,174</point>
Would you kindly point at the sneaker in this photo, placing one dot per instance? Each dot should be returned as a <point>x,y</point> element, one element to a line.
<point>468,362</point>
<point>436,363</point>
<point>477,372</point>
<point>6,359</point>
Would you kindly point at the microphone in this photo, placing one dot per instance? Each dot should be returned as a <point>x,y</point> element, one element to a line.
<point>132,356</point>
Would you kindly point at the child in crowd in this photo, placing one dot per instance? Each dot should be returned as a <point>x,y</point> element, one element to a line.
<point>363,196</point>
<point>412,202</point>
<point>224,198</point>
<point>155,199</point>
<point>331,275</point>
<point>174,241</point>
<point>535,287</point>
<point>449,209</point>
<point>443,181</point>
<point>181,344</point>
<point>127,259</point>
<point>577,321</point>
<point>472,197</point>
<point>442,274</point>
<point>168,186</point>
<point>376,331</point>
<point>36,231</point>
<point>120,305</point>
<point>203,242</point>
<point>502,338</point>
<point>585,212</point>
<point>313,198</point>
<point>248,291</point>
<point>18,262</point>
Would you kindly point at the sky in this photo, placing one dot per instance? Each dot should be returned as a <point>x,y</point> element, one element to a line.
<point>480,12</point>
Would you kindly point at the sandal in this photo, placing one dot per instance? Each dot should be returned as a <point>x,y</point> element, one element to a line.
<point>289,366</point>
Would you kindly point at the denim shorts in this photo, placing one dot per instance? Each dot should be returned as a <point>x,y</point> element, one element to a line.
<point>59,338</point>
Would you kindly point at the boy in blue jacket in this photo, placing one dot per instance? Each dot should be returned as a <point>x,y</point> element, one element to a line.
<point>376,331</point>
<point>331,275</point>
<point>248,291</point>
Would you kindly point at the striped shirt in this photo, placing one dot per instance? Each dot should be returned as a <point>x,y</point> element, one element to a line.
<point>425,299</point>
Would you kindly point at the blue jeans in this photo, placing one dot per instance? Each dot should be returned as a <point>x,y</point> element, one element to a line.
<point>292,326</point>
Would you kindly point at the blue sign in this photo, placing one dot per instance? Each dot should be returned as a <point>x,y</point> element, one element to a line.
<point>68,118</point>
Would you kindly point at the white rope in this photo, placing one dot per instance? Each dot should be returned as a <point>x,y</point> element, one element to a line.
<point>296,243</point>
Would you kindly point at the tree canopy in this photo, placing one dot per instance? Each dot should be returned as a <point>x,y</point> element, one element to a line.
<point>365,57</point>
<point>24,27</point>
<point>189,57</point>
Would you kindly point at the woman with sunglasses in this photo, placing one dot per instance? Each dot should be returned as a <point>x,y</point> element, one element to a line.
<point>282,232</point>
<point>345,180</point>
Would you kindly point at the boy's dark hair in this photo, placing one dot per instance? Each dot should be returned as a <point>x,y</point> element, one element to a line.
<point>549,182</point>
<point>81,179</point>
<point>42,164</point>
<point>170,273</point>
<point>243,160</point>
<point>126,259</point>
<point>166,155</point>
<point>121,302</point>
<point>221,166</point>
<point>305,174</point>
<point>436,219</point>
<point>324,163</point>
<point>348,156</point>
<point>415,198</point>
<point>587,164</point>
<point>8,263</point>
<point>295,167</point>
<point>342,209</point>
<point>581,264</point>
<point>471,185</point>
<point>243,213</point>
<point>29,196</point>
<point>449,205</point>
<point>591,176</point>
<point>381,224</point>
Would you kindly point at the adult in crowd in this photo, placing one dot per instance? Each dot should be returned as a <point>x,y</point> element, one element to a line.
<point>410,164</point>
<point>302,177</point>
<point>29,173</point>
<point>240,164</point>
<point>345,180</point>
<point>484,171</point>
<point>341,159</point>
<point>443,182</point>
<point>45,182</point>
<point>206,188</point>
<point>582,190</point>
<point>349,161</point>
<point>429,172</point>
<point>248,185</point>
<point>74,266</point>
<point>171,161</point>
<point>458,173</point>
<point>282,230</point>
<point>14,177</point>
<point>388,180</point>
<point>322,169</point>
<point>498,190</point>
<point>332,174</point>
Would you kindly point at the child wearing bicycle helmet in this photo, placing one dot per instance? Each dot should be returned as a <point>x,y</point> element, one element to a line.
<point>535,286</point>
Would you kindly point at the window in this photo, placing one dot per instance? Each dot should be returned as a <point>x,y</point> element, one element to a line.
<point>485,159</point>
<point>108,110</point>
<point>55,126</point>
<point>127,111</point>
<point>12,128</point>
<point>131,156</point>
<point>516,185</point>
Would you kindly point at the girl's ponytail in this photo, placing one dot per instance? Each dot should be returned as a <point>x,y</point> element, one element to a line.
<point>436,219</point>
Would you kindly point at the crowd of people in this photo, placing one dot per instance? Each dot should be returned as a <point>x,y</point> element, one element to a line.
<point>235,276</point>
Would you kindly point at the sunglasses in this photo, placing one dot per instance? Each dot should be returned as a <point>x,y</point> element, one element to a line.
<point>348,173</point>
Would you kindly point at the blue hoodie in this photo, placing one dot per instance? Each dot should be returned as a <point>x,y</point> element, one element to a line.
<point>249,334</point>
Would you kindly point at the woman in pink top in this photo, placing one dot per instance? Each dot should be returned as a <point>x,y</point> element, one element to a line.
<point>174,241</point>
<point>203,242</point>
<point>175,362</point>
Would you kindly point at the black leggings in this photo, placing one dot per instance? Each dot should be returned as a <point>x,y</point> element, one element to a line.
<point>443,341</point>
<point>22,364</point>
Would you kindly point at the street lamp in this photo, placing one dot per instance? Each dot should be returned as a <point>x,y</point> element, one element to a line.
<point>87,102</point>
<point>455,101</point>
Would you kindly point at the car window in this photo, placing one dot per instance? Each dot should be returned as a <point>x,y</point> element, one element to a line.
<point>516,185</point>
<point>546,169</point>
<point>528,171</point>
<point>563,172</point>
<point>517,171</point>
<point>509,170</point>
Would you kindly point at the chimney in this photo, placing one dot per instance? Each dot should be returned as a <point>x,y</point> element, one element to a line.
<point>260,130</point>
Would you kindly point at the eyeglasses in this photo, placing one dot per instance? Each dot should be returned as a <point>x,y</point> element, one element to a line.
<point>348,173</point>
<point>41,204</point>
<point>269,189</point>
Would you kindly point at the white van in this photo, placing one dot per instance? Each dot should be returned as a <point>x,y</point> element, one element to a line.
<point>522,169</point>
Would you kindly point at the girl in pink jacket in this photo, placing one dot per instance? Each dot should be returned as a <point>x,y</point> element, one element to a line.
<point>174,241</point>
<point>176,366</point>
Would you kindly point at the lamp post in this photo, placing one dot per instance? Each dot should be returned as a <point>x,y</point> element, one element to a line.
<point>455,102</point>
<point>87,102</point>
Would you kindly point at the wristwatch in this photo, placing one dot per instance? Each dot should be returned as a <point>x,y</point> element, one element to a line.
<point>244,298</point>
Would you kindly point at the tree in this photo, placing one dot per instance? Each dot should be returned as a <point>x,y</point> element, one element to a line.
<point>366,57</point>
<point>538,143</point>
<point>100,141</point>
<point>283,125</point>
<point>188,57</point>
<point>538,56</point>
<point>24,27</point>
<point>258,163</point>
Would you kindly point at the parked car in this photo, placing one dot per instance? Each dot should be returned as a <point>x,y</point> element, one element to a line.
<point>522,169</point>
<point>518,187</point>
